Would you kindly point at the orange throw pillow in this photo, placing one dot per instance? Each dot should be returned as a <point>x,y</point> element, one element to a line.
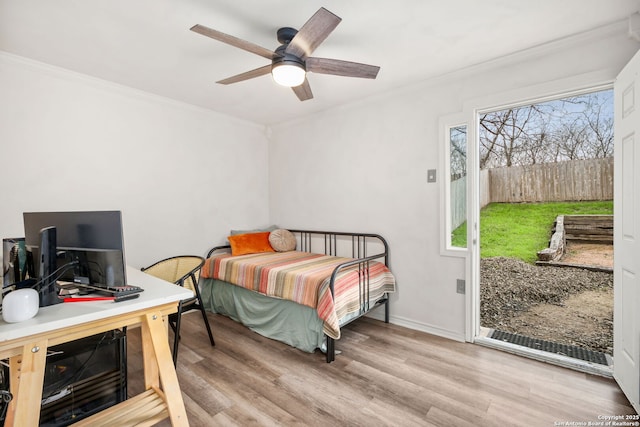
<point>250,243</point>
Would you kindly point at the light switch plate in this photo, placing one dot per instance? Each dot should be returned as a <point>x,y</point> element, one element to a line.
<point>431,175</point>
<point>460,286</point>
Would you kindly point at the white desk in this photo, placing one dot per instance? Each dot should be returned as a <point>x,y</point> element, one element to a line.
<point>25,345</point>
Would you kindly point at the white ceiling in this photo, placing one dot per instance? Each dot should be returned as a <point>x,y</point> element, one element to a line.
<point>147,45</point>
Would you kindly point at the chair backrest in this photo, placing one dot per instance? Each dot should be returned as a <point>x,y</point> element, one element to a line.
<point>176,268</point>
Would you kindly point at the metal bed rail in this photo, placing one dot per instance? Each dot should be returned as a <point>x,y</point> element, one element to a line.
<point>218,248</point>
<point>363,294</point>
<point>358,243</point>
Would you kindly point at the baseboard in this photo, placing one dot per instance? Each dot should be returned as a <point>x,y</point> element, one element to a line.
<point>429,329</point>
<point>378,314</point>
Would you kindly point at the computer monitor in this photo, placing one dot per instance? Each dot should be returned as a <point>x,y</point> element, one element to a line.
<point>94,239</point>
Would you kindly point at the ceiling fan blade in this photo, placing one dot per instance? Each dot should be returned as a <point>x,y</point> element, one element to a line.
<point>303,92</point>
<point>247,75</point>
<point>234,41</point>
<point>312,33</point>
<point>341,68</point>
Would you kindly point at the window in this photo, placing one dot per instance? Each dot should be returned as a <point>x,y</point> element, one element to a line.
<point>454,191</point>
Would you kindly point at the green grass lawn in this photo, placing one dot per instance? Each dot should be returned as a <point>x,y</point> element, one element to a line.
<point>519,230</point>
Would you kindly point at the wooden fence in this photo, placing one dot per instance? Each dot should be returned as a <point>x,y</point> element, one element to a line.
<point>553,182</point>
<point>574,180</point>
<point>458,202</point>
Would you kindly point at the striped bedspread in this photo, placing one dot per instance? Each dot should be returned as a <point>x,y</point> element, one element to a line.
<point>304,278</point>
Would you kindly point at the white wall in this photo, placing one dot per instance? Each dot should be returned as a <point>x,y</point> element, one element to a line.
<point>363,167</point>
<point>181,176</point>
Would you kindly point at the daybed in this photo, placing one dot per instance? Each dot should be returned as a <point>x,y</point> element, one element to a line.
<point>296,286</point>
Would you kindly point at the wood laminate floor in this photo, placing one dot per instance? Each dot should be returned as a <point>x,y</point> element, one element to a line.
<point>385,375</point>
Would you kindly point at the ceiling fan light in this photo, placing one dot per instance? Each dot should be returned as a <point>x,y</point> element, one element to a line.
<point>288,74</point>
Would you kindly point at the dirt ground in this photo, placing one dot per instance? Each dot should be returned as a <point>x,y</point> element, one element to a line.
<point>566,305</point>
<point>589,254</point>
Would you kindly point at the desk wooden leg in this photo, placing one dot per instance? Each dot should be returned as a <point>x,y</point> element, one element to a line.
<point>159,362</point>
<point>149,358</point>
<point>27,379</point>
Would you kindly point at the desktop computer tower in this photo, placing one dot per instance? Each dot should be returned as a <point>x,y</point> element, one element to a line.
<point>82,377</point>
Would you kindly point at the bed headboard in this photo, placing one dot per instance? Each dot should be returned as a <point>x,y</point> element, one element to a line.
<point>337,243</point>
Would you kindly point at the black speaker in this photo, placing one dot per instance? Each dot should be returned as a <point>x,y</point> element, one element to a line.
<point>48,289</point>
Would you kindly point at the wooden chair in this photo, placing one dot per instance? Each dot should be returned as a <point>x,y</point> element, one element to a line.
<point>183,270</point>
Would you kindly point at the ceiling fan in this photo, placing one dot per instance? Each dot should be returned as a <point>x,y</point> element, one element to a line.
<point>291,61</point>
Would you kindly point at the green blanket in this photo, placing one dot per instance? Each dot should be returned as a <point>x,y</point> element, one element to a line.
<point>282,320</point>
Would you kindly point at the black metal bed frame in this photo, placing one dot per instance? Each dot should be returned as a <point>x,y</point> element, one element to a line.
<point>358,246</point>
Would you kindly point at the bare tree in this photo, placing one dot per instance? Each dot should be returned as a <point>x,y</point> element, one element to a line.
<point>458,154</point>
<point>535,147</point>
<point>600,123</point>
<point>503,136</point>
<point>572,140</point>
<point>572,128</point>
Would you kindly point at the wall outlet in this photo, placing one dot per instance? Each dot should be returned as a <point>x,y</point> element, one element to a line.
<point>460,286</point>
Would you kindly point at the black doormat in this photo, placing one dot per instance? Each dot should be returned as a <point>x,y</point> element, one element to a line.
<point>551,347</point>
